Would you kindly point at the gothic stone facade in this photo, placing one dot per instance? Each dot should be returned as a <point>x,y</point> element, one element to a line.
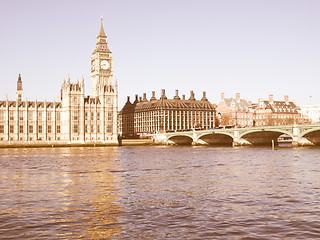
<point>73,117</point>
<point>160,115</point>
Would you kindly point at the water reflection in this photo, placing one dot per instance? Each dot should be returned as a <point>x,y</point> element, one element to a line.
<point>59,193</point>
<point>160,193</point>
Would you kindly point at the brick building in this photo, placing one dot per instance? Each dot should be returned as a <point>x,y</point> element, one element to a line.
<point>241,112</point>
<point>234,111</point>
<point>270,112</point>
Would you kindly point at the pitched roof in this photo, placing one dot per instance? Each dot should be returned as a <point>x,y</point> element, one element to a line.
<point>240,105</point>
<point>280,106</point>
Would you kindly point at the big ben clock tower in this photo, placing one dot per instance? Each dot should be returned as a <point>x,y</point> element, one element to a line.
<point>104,87</point>
<point>101,64</point>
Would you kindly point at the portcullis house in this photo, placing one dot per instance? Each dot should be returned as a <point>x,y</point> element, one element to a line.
<point>145,116</point>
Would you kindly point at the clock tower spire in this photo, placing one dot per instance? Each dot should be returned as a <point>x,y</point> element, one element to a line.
<point>101,63</point>
<point>101,32</point>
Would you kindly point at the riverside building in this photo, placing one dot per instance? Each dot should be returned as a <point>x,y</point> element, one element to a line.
<point>163,114</point>
<point>272,113</point>
<point>74,117</point>
<point>243,113</point>
<point>234,111</point>
<point>311,112</point>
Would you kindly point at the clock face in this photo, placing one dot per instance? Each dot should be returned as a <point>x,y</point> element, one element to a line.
<point>104,64</point>
<point>92,65</point>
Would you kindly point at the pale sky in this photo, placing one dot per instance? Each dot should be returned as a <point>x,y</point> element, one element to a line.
<point>254,47</point>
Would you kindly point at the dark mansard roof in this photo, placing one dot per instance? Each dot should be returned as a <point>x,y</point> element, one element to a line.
<point>174,104</point>
<point>167,104</point>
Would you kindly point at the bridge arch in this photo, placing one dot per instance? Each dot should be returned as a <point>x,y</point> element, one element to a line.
<point>263,136</point>
<point>216,138</point>
<point>313,135</point>
<point>180,139</point>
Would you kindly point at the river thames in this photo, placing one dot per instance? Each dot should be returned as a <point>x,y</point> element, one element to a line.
<point>160,192</point>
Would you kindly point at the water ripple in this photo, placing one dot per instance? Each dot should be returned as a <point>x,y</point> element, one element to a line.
<point>160,193</point>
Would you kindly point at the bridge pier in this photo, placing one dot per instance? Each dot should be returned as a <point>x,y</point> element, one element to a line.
<point>235,138</point>
<point>295,139</point>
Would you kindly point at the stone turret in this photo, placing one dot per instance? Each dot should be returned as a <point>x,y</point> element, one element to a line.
<point>19,91</point>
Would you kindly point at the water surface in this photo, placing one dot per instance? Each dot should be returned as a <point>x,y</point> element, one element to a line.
<point>160,193</point>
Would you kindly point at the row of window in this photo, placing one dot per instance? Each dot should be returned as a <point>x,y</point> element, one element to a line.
<point>292,110</point>
<point>86,116</point>
<point>75,129</point>
<point>90,128</point>
<point>30,129</point>
<point>31,116</point>
<point>273,116</point>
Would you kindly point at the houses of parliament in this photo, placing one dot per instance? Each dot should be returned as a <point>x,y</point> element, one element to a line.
<point>74,117</point>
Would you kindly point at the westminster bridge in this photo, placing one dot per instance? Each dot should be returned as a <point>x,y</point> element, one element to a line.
<point>302,134</point>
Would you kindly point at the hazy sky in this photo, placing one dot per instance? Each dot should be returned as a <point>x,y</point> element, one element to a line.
<point>254,47</point>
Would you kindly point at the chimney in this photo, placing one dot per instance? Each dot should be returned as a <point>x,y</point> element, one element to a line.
<point>192,96</point>
<point>177,95</point>
<point>153,96</point>
<point>163,94</point>
<point>128,98</point>
<point>145,97</point>
<point>136,100</point>
<point>222,96</point>
<point>261,103</point>
<point>140,99</point>
<point>286,99</point>
<point>271,98</point>
<point>238,96</point>
<point>183,97</point>
<point>204,98</point>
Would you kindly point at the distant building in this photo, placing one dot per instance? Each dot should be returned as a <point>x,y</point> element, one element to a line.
<point>311,112</point>
<point>270,113</point>
<point>240,112</point>
<point>159,115</point>
<point>234,111</point>
<point>73,117</point>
